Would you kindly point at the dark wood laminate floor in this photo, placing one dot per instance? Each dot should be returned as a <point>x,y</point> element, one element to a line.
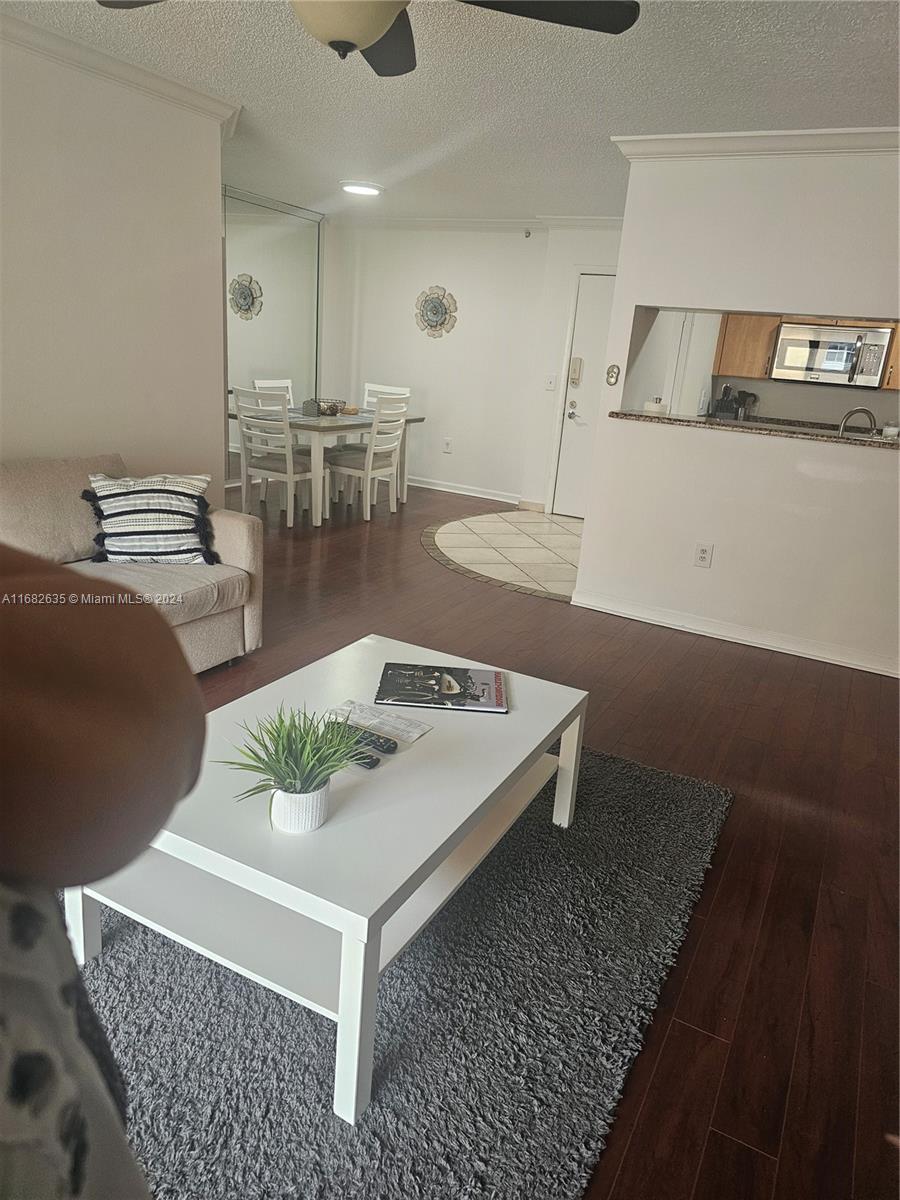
<point>769,1071</point>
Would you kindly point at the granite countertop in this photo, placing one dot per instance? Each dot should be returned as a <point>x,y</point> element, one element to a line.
<point>773,427</point>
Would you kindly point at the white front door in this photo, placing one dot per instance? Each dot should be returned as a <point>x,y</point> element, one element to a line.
<point>584,385</point>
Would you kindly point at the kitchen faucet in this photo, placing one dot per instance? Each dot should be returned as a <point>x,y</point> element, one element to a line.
<point>863,412</point>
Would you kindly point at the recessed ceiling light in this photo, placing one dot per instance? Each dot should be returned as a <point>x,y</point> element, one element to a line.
<point>356,188</point>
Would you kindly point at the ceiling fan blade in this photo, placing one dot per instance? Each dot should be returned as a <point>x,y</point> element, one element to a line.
<point>127,3</point>
<point>395,52</point>
<point>602,16</point>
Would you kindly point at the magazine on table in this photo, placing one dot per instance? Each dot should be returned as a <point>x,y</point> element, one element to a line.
<point>468,688</point>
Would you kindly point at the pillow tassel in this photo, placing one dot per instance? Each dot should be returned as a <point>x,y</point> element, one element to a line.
<point>203,529</point>
<point>94,501</point>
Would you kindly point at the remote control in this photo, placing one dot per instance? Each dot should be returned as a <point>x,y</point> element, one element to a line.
<point>384,745</point>
<point>369,761</point>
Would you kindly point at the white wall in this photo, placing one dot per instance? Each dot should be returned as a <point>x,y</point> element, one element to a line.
<point>338,250</point>
<point>112,262</point>
<point>805,538</point>
<point>482,385</point>
<point>470,384</point>
<point>693,385</point>
<point>652,357</point>
<point>805,532</point>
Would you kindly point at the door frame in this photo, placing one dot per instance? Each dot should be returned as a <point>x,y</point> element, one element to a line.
<point>560,410</point>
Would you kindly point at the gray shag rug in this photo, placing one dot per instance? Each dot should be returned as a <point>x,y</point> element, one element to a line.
<point>505,1031</point>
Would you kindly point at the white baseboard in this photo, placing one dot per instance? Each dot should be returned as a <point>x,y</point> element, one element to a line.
<point>832,652</point>
<point>464,489</point>
<point>532,505</point>
<point>438,485</point>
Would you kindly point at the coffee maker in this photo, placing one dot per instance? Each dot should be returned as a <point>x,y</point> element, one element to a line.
<point>732,405</point>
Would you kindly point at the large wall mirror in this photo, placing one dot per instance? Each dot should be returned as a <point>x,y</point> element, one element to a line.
<point>271,299</point>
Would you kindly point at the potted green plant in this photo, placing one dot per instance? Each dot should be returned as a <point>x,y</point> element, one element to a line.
<point>294,755</point>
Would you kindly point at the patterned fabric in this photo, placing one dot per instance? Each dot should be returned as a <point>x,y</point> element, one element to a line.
<point>278,462</point>
<point>61,1096</point>
<point>356,459</point>
<point>161,519</point>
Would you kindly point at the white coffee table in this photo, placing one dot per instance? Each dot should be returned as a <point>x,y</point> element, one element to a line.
<point>318,917</point>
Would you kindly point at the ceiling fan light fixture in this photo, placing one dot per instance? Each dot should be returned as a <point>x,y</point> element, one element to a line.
<point>361,188</point>
<point>347,25</point>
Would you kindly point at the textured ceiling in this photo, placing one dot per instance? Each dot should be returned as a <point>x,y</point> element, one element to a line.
<point>504,117</point>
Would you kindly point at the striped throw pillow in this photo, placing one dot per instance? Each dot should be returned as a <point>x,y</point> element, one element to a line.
<point>161,519</point>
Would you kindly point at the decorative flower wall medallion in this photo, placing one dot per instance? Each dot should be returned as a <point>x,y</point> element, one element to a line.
<point>245,297</point>
<point>435,311</point>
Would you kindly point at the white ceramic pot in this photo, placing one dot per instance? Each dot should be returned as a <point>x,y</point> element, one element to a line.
<point>299,812</point>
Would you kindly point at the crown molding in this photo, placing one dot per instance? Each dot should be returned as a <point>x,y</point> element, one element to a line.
<point>472,224</point>
<point>762,144</point>
<point>94,62</point>
<point>603,224</point>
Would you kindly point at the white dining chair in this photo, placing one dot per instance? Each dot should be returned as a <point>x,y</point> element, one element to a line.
<point>371,392</point>
<point>281,385</point>
<point>267,449</point>
<point>263,398</point>
<point>378,459</point>
<point>276,385</point>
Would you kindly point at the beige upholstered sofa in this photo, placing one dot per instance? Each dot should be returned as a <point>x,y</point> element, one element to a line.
<point>219,616</point>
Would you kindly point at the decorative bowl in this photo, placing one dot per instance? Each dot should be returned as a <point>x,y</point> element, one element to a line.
<point>330,408</point>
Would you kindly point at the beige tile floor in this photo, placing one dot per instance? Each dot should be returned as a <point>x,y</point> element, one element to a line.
<point>538,550</point>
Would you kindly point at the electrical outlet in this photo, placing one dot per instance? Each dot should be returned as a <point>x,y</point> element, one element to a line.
<point>549,383</point>
<point>448,445</point>
<point>703,553</point>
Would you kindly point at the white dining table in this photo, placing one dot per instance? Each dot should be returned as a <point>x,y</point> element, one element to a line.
<point>337,429</point>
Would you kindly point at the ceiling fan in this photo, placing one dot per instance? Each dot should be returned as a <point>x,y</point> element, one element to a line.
<point>381,30</point>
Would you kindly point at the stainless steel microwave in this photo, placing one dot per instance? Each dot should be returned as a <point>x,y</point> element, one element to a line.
<point>843,354</point>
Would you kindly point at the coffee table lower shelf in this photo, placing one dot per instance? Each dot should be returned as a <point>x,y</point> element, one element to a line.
<point>279,948</point>
<point>293,954</point>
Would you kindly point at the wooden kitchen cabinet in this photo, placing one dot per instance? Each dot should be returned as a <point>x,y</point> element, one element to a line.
<point>746,342</point>
<point>851,322</point>
<point>859,323</point>
<point>793,319</point>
